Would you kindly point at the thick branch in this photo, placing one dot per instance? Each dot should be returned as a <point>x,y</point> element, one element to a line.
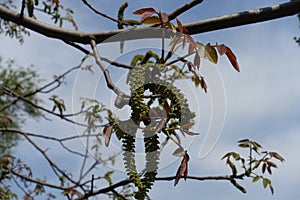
<point>227,21</point>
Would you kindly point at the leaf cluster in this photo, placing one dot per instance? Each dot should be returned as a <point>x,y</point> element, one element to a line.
<point>251,165</point>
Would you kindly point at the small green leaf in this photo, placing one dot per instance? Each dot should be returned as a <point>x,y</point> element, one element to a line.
<point>211,53</point>
<point>243,141</point>
<point>232,166</point>
<point>30,8</point>
<point>244,145</point>
<point>271,188</point>
<point>266,182</point>
<point>107,177</point>
<point>255,179</point>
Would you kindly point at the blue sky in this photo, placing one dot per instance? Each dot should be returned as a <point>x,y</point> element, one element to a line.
<point>262,101</point>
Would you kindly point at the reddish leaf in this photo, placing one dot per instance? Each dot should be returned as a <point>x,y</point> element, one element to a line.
<point>197,60</point>
<point>183,169</point>
<point>191,40</point>
<point>184,42</point>
<point>221,49</point>
<point>171,27</point>
<point>203,84</point>
<point>56,2</point>
<point>180,27</point>
<point>145,16</point>
<point>143,10</point>
<point>107,131</point>
<point>191,66</point>
<point>230,55</point>
<point>191,48</point>
<point>166,108</point>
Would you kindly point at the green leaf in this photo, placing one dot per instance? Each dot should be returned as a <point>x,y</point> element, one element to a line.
<point>255,179</point>
<point>30,8</point>
<point>271,188</point>
<point>211,53</point>
<point>244,145</point>
<point>266,182</point>
<point>243,141</point>
<point>107,177</point>
<point>232,166</point>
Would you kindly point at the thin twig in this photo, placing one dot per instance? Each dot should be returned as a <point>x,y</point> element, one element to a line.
<point>52,164</point>
<point>13,94</point>
<point>22,9</point>
<point>122,98</point>
<point>167,178</point>
<point>32,180</point>
<point>105,71</point>
<point>103,14</point>
<point>184,8</point>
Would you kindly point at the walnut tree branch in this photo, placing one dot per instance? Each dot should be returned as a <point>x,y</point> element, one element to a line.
<point>166,178</point>
<point>122,98</point>
<point>217,23</point>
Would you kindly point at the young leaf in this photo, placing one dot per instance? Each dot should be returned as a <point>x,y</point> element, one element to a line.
<point>107,131</point>
<point>243,140</point>
<point>269,170</point>
<point>143,10</point>
<point>256,178</point>
<point>188,132</point>
<point>163,144</point>
<point>271,188</point>
<point>145,16</point>
<point>30,8</point>
<point>211,53</point>
<point>179,152</point>
<point>203,84</point>
<point>266,182</point>
<point>183,169</point>
<point>191,48</point>
<point>107,177</point>
<point>264,166</point>
<point>152,20</point>
<point>197,60</point>
<point>221,49</point>
<point>171,27</point>
<point>180,27</point>
<point>277,156</point>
